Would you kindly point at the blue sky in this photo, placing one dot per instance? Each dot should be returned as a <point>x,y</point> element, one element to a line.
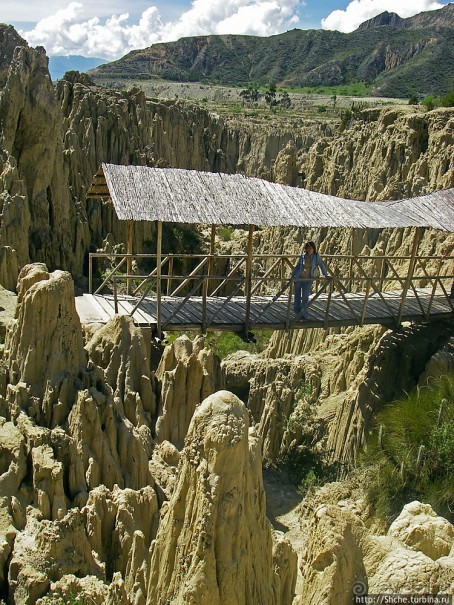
<point>111,28</point>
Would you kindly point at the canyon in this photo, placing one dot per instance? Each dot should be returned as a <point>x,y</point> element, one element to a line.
<point>132,473</point>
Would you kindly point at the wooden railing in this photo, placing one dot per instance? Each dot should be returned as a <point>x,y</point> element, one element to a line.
<point>227,276</point>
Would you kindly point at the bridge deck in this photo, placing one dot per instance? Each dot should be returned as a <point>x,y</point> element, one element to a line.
<point>344,310</point>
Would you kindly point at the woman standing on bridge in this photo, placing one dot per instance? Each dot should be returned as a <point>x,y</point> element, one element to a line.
<point>307,269</point>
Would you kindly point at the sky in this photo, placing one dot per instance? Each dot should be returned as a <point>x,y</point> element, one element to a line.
<point>111,28</point>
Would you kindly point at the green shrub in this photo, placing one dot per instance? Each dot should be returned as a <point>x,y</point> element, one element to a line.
<point>412,450</point>
<point>308,468</point>
<point>346,118</point>
<point>304,390</point>
<point>321,109</point>
<point>429,102</point>
<point>225,233</point>
<point>225,343</point>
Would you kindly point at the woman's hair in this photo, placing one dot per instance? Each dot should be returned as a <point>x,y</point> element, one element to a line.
<point>312,245</point>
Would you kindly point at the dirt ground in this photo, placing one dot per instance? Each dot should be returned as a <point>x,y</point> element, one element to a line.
<point>282,503</point>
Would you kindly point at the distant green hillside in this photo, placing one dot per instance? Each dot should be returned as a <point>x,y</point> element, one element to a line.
<point>394,56</point>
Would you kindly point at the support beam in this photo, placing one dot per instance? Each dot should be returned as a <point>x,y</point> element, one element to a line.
<point>158,279</point>
<point>129,262</point>
<point>411,271</point>
<point>248,284</point>
<point>212,251</point>
<point>352,253</point>
<point>206,284</point>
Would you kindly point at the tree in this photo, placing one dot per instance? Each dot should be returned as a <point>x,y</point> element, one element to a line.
<point>413,100</point>
<point>254,94</point>
<point>429,102</point>
<point>270,97</point>
<point>284,100</point>
<point>246,96</point>
<point>250,95</point>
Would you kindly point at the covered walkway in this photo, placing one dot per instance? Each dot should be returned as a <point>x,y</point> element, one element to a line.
<point>250,291</point>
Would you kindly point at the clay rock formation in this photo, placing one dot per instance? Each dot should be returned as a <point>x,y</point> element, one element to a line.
<point>419,526</point>
<point>111,420</point>
<point>102,126</point>
<point>8,267</point>
<point>44,351</point>
<point>389,153</point>
<point>188,373</point>
<point>333,560</point>
<point>214,543</point>
<point>343,557</point>
<point>39,215</point>
<point>75,446</point>
<point>164,469</point>
<point>269,388</point>
<point>105,448</point>
<point>323,391</point>
<point>285,169</point>
<point>9,39</point>
<point>119,348</point>
<point>394,568</point>
<point>110,535</point>
<point>13,469</point>
<point>442,362</point>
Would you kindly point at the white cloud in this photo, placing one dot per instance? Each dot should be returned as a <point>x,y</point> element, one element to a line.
<point>32,10</point>
<point>68,32</point>
<point>359,11</point>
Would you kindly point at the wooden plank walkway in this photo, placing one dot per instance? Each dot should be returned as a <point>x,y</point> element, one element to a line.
<point>231,315</point>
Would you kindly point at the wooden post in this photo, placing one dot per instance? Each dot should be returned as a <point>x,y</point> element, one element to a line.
<point>411,269</point>
<point>158,278</point>
<point>248,284</point>
<point>115,295</point>
<point>366,298</point>
<point>169,279</point>
<point>90,274</point>
<point>289,306</point>
<point>212,250</point>
<point>129,262</point>
<point>382,271</point>
<point>206,283</point>
<point>328,303</point>
<point>350,271</point>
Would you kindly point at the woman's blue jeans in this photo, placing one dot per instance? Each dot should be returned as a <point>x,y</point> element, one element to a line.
<point>302,290</point>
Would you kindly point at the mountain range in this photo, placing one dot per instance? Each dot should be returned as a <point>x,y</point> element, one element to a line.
<point>392,55</point>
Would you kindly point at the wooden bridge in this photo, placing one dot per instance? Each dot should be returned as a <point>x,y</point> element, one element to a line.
<point>360,290</point>
<point>250,291</point>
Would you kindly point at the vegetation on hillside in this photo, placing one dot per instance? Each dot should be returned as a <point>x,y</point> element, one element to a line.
<point>411,452</point>
<point>414,58</point>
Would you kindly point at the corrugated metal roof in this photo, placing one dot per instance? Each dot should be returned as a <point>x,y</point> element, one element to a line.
<point>173,195</point>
